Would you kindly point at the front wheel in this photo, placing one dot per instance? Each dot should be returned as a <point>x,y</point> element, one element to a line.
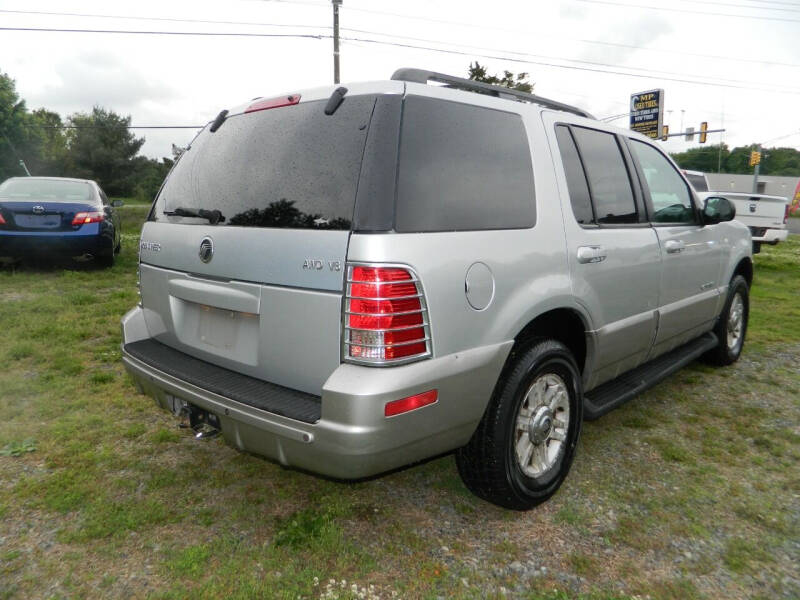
<point>524,446</point>
<point>732,324</point>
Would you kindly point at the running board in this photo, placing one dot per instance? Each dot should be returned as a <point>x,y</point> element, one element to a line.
<point>610,395</point>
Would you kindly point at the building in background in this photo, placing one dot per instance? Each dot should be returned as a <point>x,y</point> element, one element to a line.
<point>771,185</point>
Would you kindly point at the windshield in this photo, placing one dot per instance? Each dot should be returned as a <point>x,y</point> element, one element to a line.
<point>52,190</point>
<point>288,167</point>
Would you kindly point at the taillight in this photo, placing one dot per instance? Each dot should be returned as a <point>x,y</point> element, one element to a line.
<point>268,103</point>
<point>82,218</point>
<point>386,317</point>
<point>785,214</point>
<point>2,220</point>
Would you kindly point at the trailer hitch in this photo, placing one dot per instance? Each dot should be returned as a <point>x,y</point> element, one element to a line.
<point>205,425</point>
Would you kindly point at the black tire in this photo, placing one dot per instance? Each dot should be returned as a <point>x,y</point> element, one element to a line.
<point>488,464</point>
<point>118,247</point>
<point>106,260</point>
<point>725,353</point>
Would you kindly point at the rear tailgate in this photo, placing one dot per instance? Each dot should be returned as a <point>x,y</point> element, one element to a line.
<point>757,210</point>
<point>259,293</point>
<point>286,332</point>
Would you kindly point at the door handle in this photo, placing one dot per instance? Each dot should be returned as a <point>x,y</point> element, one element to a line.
<point>591,254</point>
<point>674,246</point>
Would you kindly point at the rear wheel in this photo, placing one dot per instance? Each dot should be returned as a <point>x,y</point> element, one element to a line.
<point>524,446</point>
<point>732,324</point>
<point>106,260</point>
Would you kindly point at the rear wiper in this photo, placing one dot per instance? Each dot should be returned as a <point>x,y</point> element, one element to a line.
<point>213,216</point>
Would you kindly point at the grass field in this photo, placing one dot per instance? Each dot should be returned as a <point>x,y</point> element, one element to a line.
<point>690,491</point>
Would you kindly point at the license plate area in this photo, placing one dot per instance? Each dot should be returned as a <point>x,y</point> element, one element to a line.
<point>218,327</point>
<point>37,221</point>
<point>230,334</point>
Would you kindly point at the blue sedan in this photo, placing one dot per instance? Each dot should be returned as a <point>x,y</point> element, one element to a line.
<point>56,216</point>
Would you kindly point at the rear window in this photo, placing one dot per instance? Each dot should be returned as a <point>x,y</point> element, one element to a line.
<point>288,167</point>
<point>462,167</point>
<point>51,190</point>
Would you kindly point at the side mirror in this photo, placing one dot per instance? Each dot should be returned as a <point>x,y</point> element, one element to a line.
<point>117,203</point>
<point>717,209</point>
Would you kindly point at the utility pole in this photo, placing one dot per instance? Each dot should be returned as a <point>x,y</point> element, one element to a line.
<point>336,4</point>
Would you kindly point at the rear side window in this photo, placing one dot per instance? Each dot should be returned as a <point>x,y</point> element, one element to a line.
<point>462,167</point>
<point>576,179</point>
<point>288,167</point>
<point>607,175</point>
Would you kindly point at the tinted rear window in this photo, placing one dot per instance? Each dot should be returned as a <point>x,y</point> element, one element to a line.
<point>289,167</point>
<point>576,179</point>
<point>608,177</point>
<point>462,167</point>
<point>51,190</point>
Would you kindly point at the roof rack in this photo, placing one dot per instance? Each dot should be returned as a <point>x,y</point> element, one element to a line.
<point>422,76</point>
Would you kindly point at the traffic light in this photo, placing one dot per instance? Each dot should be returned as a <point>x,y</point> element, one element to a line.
<point>755,158</point>
<point>664,132</point>
<point>703,130</point>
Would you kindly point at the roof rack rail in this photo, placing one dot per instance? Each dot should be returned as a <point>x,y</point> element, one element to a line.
<point>422,76</point>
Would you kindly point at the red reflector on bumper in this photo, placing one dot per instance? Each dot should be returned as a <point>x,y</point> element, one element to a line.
<point>396,407</point>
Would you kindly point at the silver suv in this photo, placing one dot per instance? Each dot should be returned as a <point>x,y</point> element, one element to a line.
<point>350,280</point>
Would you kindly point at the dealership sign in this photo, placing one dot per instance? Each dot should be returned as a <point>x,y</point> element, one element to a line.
<point>647,112</point>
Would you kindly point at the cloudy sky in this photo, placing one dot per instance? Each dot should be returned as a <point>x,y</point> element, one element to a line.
<point>733,63</point>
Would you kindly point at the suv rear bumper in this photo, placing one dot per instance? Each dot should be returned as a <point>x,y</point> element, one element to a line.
<point>352,438</point>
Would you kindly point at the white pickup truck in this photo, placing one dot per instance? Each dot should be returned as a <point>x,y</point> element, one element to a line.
<point>765,215</point>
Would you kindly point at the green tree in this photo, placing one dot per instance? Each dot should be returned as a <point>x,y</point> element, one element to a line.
<point>780,161</point>
<point>147,176</point>
<point>48,143</point>
<point>739,160</point>
<point>520,81</point>
<point>704,158</point>
<point>13,130</point>
<point>101,147</point>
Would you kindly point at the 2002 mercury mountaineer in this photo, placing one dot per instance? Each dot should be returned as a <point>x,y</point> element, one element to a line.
<point>350,280</point>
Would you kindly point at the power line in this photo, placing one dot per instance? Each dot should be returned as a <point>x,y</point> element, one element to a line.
<point>775,2</point>
<point>543,56</point>
<point>167,19</point>
<point>259,24</point>
<point>781,137</point>
<point>185,33</point>
<point>483,26</point>
<point>573,67</point>
<point>399,45</point>
<point>743,6</point>
<point>691,12</point>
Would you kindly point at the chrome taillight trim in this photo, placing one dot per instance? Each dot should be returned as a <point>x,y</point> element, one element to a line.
<point>392,345</point>
<point>346,329</point>
<point>409,297</point>
<point>363,314</point>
